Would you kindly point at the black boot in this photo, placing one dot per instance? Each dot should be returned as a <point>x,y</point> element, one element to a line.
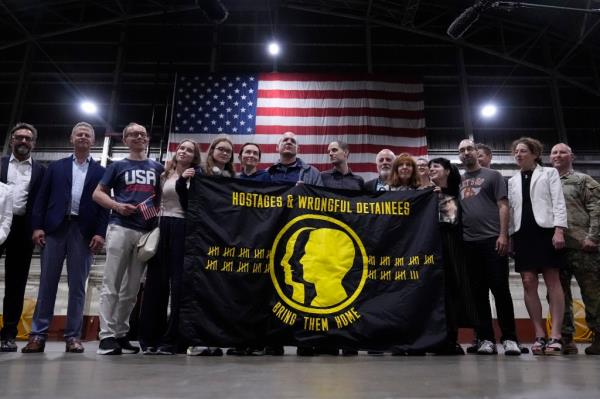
<point>594,348</point>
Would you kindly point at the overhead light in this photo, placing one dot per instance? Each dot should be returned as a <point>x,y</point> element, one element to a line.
<point>274,48</point>
<point>88,107</point>
<point>488,111</point>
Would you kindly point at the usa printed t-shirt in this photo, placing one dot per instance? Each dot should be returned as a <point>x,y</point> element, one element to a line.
<point>133,182</point>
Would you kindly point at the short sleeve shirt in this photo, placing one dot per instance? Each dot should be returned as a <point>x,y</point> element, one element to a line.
<point>480,192</point>
<point>133,182</point>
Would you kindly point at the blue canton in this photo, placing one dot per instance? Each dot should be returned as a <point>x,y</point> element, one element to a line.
<point>216,104</point>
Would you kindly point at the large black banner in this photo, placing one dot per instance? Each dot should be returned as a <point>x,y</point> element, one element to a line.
<point>312,266</point>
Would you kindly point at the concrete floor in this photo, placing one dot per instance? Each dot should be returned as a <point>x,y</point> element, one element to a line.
<point>55,374</point>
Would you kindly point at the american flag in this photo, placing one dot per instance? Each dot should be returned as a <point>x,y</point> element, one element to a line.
<point>147,208</point>
<point>368,113</point>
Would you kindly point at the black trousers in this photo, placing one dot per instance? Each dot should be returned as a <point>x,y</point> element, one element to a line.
<point>163,279</point>
<point>489,271</point>
<point>17,249</point>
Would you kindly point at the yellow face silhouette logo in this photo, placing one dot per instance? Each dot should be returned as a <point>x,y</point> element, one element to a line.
<point>318,264</point>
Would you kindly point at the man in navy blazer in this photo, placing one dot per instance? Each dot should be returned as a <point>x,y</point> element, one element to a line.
<point>23,175</point>
<point>67,223</point>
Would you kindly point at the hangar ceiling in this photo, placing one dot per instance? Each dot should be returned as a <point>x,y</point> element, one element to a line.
<point>540,65</point>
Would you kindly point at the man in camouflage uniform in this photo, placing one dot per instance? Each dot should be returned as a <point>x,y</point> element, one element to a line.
<point>582,196</point>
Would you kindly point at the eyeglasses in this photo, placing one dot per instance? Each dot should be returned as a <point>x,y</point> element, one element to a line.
<point>22,138</point>
<point>224,150</point>
<point>137,134</point>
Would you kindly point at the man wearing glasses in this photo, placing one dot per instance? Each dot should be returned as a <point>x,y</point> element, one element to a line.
<point>133,180</point>
<point>24,176</point>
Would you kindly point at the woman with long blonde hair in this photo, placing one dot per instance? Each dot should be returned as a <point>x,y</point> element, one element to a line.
<point>159,335</point>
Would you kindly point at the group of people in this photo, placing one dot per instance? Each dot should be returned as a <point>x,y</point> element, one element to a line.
<point>546,218</point>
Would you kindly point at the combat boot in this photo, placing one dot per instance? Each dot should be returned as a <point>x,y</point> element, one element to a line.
<point>594,348</point>
<point>569,347</point>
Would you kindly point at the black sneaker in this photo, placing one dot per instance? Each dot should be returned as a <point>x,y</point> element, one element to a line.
<point>166,350</point>
<point>8,345</point>
<point>274,350</point>
<point>241,351</point>
<point>149,350</point>
<point>409,352</point>
<point>524,349</point>
<point>109,346</point>
<point>349,352</point>
<point>450,349</point>
<point>326,350</point>
<point>126,346</point>
<point>472,349</point>
<point>305,351</point>
<point>256,351</point>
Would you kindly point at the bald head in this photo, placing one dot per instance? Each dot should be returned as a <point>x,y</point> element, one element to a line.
<point>562,157</point>
<point>288,147</point>
<point>467,152</point>
<point>384,161</point>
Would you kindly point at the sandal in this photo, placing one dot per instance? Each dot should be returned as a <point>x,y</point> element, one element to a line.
<point>538,346</point>
<point>554,347</point>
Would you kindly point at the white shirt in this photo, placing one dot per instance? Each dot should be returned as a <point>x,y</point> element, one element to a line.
<point>18,177</point>
<point>170,205</point>
<point>79,173</point>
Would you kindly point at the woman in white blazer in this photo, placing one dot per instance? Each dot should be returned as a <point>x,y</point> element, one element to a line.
<point>538,218</point>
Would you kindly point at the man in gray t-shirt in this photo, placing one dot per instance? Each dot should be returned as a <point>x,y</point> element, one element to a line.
<point>484,204</point>
<point>480,192</point>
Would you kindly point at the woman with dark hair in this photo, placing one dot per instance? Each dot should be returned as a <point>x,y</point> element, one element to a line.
<point>460,311</point>
<point>163,277</point>
<point>403,175</point>
<point>219,160</point>
<point>538,218</point>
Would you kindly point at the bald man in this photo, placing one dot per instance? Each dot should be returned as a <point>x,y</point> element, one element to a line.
<point>290,168</point>
<point>582,196</point>
<point>383,161</point>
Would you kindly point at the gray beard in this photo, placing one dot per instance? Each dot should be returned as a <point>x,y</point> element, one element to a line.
<point>22,149</point>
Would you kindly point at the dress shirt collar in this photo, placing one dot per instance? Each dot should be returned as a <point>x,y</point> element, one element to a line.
<point>14,159</point>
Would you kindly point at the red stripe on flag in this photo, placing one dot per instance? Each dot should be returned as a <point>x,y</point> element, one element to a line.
<point>340,112</point>
<point>342,130</point>
<point>323,94</point>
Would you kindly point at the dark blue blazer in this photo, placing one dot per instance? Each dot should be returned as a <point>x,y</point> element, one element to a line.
<point>54,200</point>
<point>37,175</point>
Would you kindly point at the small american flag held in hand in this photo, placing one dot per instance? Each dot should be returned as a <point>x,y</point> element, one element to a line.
<point>148,209</point>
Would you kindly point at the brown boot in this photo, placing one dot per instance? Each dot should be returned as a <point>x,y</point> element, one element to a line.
<point>569,347</point>
<point>594,348</point>
<point>36,344</point>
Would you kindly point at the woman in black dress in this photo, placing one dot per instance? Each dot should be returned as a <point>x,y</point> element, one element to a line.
<point>538,217</point>
<point>460,310</point>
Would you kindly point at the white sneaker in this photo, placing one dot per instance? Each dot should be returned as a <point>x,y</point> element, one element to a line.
<point>486,348</point>
<point>511,348</point>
